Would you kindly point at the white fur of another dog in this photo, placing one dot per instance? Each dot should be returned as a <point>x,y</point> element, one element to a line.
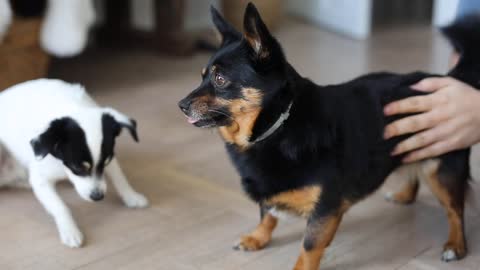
<point>5,17</point>
<point>26,110</point>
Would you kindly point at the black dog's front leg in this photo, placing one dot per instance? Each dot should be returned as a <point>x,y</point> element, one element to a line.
<point>319,234</point>
<point>262,234</point>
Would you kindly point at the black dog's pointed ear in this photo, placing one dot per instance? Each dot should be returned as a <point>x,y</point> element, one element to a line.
<point>227,32</point>
<point>122,121</point>
<point>256,32</point>
<point>48,142</point>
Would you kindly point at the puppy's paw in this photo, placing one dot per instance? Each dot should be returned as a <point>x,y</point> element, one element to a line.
<point>135,200</point>
<point>452,253</point>
<point>71,236</point>
<point>250,243</point>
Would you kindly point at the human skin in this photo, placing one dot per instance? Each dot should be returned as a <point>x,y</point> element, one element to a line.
<point>448,119</point>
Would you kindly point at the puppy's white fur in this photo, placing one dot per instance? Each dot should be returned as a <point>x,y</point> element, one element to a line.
<point>26,110</point>
<point>5,17</point>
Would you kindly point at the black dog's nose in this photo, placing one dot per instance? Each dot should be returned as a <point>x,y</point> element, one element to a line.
<point>184,105</point>
<point>96,195</point>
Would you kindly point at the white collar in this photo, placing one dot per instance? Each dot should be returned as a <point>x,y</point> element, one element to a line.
<point>281,119</point>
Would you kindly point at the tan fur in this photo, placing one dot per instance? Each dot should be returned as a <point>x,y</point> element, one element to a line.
<point>456,237</point>
<point>244,114</point>
<point>407,194</point>
<point>261,236</point>
<point>301,201</point>
<point>310,260</point>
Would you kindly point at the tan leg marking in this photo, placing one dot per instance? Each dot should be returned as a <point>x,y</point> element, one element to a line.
<point>455,248</point>
<point>260,237</point>
<point>323,234</point>
<point>407,194</point>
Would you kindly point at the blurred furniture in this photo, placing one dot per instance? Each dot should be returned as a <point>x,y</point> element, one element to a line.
<point>271,10</point>
<point>168,35</point>
<point>21,57</point>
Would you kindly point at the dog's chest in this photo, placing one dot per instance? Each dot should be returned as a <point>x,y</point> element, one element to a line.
<point>299,202</point>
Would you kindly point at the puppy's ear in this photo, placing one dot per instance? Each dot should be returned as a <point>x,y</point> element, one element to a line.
<point>49,141</point>
<point>122,121</point>
<point>227,32</point>
<point>257,34</point>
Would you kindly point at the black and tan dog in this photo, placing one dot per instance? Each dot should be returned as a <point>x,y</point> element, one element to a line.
<point>316,150</point>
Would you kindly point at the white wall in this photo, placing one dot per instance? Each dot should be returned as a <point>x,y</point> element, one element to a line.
<point>350,17</point>
<point>444,11</point>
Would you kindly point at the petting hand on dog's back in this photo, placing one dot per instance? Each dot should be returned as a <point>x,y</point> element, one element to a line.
<point>449,119</point>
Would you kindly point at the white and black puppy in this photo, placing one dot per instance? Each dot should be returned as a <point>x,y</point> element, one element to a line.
<point>53,130</point>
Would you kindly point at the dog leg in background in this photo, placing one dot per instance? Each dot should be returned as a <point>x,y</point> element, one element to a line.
<point>45,192</point>
<point>66,26</point>
<point>5,17</point>
<point>130,197</point>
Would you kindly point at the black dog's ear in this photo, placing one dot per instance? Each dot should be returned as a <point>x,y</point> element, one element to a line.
<point>227,32</point>
<point>256,33</point>
<point>48,142</point>
<point>121,121</point>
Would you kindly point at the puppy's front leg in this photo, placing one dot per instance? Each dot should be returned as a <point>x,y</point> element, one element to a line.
<point>318,236</point>
<point>130,197</point>
<point>45,192</point>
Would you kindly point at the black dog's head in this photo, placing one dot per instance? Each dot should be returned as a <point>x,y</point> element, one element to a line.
<point>240,78</point>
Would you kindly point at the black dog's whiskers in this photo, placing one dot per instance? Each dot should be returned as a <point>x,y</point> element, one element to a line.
<point>221,112</point>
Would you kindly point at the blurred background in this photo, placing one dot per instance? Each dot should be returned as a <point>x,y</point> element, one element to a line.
<point>141,57</point>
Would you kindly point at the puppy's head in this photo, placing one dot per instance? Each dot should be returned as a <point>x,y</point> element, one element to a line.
<point>84,142</point>
<point>240,78</point>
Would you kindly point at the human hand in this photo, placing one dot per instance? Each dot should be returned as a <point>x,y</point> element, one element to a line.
<point>449,119</point>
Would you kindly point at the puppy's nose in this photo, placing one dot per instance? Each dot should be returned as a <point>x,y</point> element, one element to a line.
<point>96,195</point>
<point>184,105</point>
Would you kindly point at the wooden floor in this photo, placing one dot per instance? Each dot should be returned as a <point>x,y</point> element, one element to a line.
<point>197,207</point>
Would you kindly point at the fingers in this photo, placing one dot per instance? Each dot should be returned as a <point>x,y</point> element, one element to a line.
<point>433,150</point>
<point>432,84</point>
<point>425,138</point>
<point>409,105</point>
<point>420,103</point>
<point>412,124</point>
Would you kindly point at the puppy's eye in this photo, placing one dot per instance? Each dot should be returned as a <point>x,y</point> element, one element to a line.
<point>86,165</point>
<point>220,81</point>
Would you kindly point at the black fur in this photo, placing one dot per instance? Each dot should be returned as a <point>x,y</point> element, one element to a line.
<point>65,139</point>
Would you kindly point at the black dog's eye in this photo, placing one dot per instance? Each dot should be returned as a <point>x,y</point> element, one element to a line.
<point>219,80</point>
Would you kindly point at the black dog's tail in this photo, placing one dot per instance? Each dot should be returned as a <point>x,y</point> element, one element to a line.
<point>464,35</point>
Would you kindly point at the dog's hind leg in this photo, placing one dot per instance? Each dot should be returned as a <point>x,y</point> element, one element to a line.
<point>408,193</point>
<point>262,234</point>
<point>130,197</point>
<point>449,189</point>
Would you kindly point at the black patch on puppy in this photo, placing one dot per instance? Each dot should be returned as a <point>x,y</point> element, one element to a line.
<point>65,140</point>
<point>111,129</point>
